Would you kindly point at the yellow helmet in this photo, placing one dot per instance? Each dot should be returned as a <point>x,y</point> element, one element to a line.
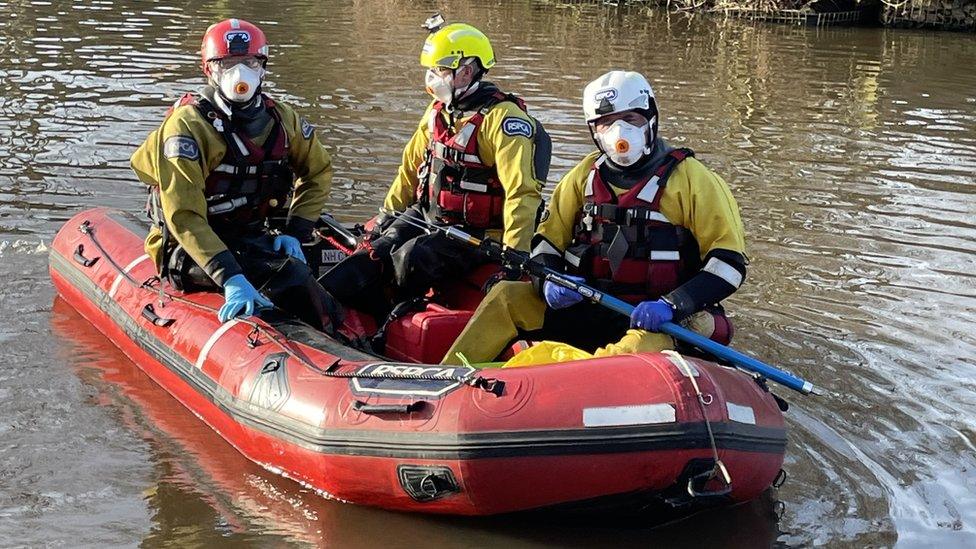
<point>447,46</point>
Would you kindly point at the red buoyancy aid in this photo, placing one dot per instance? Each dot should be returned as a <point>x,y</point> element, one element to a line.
<point>624,245</point>
<point>456,186</point>
<point>251,182</point>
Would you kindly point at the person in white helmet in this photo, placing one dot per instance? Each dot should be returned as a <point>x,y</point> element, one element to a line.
<point>637,219</point>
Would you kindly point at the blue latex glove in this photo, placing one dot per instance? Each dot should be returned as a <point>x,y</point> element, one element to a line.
<point>240,295</point>
<point>558,297</point>
<point>649,315</point>
<point>291,245</point>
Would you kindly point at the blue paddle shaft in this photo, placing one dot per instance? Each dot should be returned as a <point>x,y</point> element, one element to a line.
<point>626,309</point>
<point>683,334</point>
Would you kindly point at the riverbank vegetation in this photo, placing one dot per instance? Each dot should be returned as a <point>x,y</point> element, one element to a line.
<point>946,14</point>
<point>940,14</point>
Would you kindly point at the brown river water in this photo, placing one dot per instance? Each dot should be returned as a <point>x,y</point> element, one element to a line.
<point>852,153</point>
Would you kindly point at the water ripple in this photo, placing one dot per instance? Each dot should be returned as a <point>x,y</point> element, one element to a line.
<point>852,153</point>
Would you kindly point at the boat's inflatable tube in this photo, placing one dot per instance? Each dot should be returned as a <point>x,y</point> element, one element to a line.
<point>415,437</point>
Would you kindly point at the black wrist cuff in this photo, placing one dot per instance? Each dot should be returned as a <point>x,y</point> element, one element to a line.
<point>299,228</point>
<point>682,303</point>
<point>223,266</point>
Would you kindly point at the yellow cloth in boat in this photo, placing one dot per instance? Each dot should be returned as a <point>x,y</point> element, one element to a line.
<point>546,352</point>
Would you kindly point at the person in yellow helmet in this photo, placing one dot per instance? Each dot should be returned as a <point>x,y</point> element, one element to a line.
<point>222,163</point>
<point>637,219</point>
<point>476,160</point>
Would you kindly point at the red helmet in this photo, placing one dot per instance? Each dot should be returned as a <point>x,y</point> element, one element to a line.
<point>232,37</point>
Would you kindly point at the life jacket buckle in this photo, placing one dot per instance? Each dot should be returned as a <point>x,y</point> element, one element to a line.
<point>629,215</point>
<point>636,214</point>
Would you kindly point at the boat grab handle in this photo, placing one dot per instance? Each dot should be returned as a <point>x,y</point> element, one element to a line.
<point>372,409</point>
<point>149,313</point>
<point>81,259</point>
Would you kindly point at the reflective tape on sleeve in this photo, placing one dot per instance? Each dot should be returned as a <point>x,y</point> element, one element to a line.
<point>544,247</point>
<point>724,271</point>
<point>573,260</point>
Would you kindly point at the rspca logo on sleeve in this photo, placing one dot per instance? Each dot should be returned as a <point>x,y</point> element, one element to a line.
<point>516,126</point>
<point>181,146</point>
<point>307,129</point>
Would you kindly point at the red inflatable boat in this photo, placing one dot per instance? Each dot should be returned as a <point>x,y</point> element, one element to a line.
<point>629,431</point>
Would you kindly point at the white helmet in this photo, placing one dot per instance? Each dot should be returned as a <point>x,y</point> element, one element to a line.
<point>618,91</point>
<point>621,91</point>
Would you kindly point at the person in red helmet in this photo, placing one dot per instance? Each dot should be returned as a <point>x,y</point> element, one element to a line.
<point>224,161</point>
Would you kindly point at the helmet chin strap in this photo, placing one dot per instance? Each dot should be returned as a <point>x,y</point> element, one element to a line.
<point>221,102</point>
<point>471,88</point>
<point>460,94</point>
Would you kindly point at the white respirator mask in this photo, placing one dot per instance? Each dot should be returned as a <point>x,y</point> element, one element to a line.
<point>441,87</point>
<point>625,143</point>
<point>240,82</point>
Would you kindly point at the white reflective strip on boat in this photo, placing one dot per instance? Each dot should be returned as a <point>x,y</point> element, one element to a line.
<point>741,414</point>
<point>649,191</point>
<point>724,271</point>
<point>213,339</point>
<point>692,367</point>
<point>639,414</point>
<point>665,255</point>
<point>120,276</point>
<point>544,247</point>
<point>472,186</point>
